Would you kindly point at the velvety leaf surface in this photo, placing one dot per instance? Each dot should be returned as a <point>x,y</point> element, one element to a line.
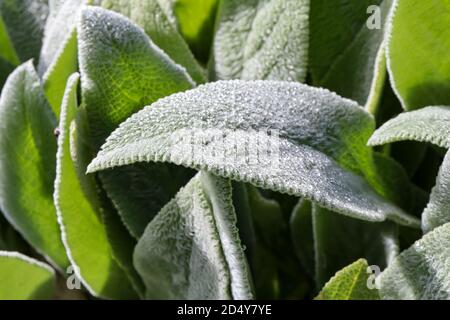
<point>80,212</point>
<point>24,278</point>
<point>333,241</point>
<point>261,39</point>
<point>24,21</point>
<point>58,29</point>
<point>113,47</point>
<point>421,272</point>
<point>212,127</point>
<point>191,250</point>
<point>431,124</point>
<point>422,76</point>
<point>150,16</point>
<point>27,163</point>
<point>350,283</point>
<point>345,55</point>
<point>437,211</point>
<point>121,72</point>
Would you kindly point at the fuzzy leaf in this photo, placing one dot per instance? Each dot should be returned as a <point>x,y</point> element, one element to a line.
<point>27,163</point>
<point>60,25</point>
<point>421,272</point>
<point>349,283</point>
<point>276,135</point>
<point>24,278</point>
<point>192,250</point>
<point>24,21</point>
<point>417,53</point>
<point>149,15</point>
<point>57,75</point>
<point>121,72</point>
<point>437,211</point>
<point>431,124</point>
<point>257,40</point>
<point>113,47</point>
<point>80,212</point>
<point>346,56</point>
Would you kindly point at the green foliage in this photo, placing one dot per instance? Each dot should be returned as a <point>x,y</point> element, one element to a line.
<point>224,149</point>
<point>349,283</point>
<point>24,278</point>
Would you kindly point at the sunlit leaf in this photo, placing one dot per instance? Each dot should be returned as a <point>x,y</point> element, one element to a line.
<point>80,210</point>
<point>28,162</point>
<point>24,278</point>
<point>295,149</point>
<point>192,250</point>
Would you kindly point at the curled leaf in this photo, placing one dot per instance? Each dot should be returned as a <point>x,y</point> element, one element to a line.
<point>266,133</point>
<point>192,250</point>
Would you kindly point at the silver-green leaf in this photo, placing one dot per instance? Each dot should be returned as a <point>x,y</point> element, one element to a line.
<point>437,211</point>
<point>122,70</point>
<point>261,39</point>
<point>80,211</point>
<point>28,162</point>
<point>192,250</point>
<point>421,272</point>
<point>281,136</point>
<point>149,15</point>
<point>430,124</point>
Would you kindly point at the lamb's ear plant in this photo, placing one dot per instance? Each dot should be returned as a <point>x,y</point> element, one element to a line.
<point>223,149</point>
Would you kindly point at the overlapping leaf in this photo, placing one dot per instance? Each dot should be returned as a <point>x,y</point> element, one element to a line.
<point>60,25</point>
<point>422,271</point>
<point>28,162</point>
<point>58,58</point>
<point>195,20</point>
<point>191,250</point>
<point>257,40</point>
<point>80,209</point>
<point>149,15</point>
<point>430,124</point>
<point>417,53</point>
<point>24,21</point>
<point>339,239</point>
<point>437,212</point>
<point>350,283</point>
<point>219,127</point>
<point>347,48</point>
<point>23,278</point>
<point>121,72</point>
